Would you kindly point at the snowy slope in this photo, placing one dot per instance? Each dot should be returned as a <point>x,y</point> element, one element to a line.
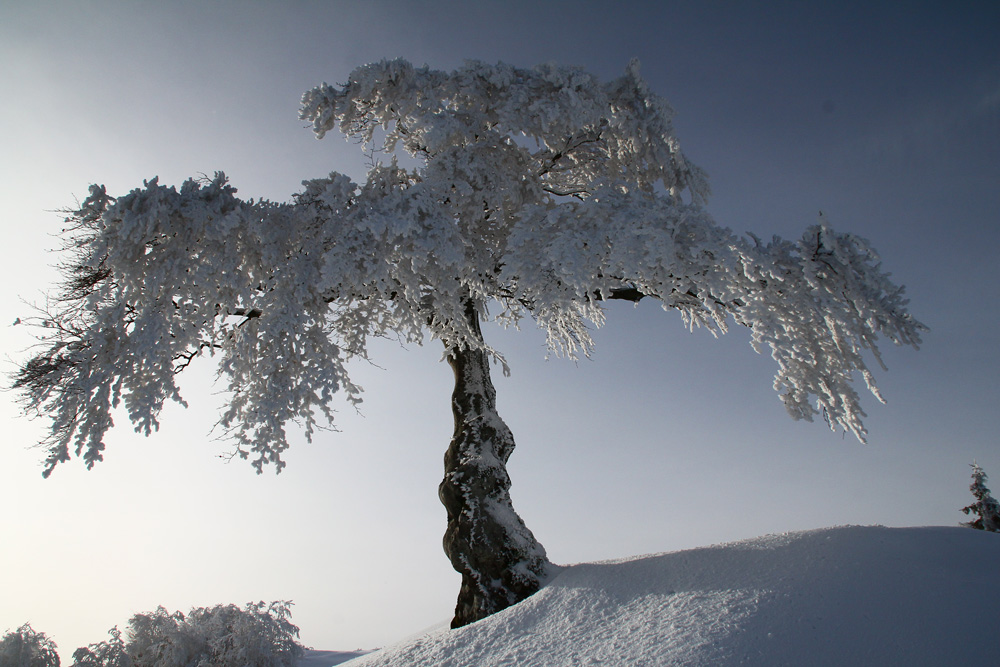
<point>314,658</point>
<point>839,596</point>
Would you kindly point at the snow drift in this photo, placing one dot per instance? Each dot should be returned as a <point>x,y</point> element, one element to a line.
<point>839,596</point>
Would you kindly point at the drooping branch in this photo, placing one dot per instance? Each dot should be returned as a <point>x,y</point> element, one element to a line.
<point>818,304</point>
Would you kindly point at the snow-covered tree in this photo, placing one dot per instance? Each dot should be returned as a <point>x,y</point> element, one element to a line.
<point>109,653</point>
<point>535,193</point>
<point>986,508</point>
<point>26,648</point>
<point>260,634</point>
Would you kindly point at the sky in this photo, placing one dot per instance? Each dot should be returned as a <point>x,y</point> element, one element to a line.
<point>884,116</point>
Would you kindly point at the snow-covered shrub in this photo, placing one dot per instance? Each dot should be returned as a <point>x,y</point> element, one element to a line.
<point>986,508</point>
<point>259,635</point>
<point>111,653</point>
<point>26,648</point>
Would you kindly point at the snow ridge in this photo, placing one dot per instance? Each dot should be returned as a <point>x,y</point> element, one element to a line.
<point>848,595</point>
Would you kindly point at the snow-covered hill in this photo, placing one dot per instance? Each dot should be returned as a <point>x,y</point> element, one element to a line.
<point>838,596</point>
<point>314,658</point>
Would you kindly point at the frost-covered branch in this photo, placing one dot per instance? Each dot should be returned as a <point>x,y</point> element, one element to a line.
<point>817,304</point>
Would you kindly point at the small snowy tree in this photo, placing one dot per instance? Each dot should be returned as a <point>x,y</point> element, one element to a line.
<point>26,648</point>
<point>109,653</point>
<point>537,193</point>
<point>986,508</point>
<point>259,635</point>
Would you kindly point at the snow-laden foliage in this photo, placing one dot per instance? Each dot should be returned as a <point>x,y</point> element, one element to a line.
<point>26,648</point>
<point>109,653</point>
<point>539,193</point>
<point>986,508</point>
<point>260,634</point>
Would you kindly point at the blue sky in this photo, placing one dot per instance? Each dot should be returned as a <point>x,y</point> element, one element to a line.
<point>885,116</point>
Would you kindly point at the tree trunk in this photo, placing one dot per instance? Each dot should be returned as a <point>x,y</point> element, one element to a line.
<point>487,542</point>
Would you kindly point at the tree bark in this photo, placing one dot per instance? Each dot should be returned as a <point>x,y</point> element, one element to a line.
<point>500,561</point>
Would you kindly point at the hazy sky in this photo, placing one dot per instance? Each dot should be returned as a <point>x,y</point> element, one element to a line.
<point>885,116</point>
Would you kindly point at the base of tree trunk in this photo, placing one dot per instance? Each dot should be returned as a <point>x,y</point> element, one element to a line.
<point>500,560</point>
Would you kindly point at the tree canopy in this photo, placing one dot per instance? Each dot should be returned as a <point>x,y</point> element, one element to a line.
<point>534,193</point>
<point>25,647</point>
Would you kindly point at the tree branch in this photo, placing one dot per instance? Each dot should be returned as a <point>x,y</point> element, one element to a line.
<point>625,293</point>
<point>190,355</point>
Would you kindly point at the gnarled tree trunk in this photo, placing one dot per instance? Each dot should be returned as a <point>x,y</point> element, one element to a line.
<point>500,561</point>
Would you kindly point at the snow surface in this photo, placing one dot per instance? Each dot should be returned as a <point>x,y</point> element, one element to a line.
<point>313,658</point>
<point>839,596</point>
